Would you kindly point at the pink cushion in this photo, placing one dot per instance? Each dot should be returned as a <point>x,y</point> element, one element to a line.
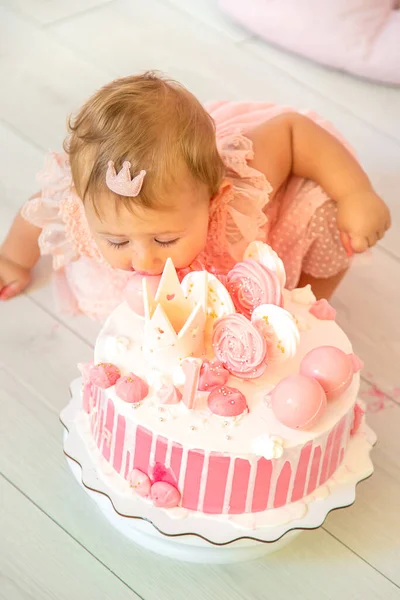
<point>358,36</point>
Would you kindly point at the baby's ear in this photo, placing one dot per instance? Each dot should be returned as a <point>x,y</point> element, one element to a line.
<point>223,189</point>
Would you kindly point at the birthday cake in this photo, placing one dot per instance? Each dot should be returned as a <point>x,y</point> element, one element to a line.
<point>220,395</point>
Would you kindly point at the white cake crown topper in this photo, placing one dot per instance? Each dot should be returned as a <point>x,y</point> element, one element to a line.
<point>174,326</point>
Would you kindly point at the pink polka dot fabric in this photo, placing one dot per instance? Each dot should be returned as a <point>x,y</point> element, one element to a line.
<point>299,223</point>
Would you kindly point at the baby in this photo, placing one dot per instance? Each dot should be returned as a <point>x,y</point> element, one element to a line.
<point>149,173</point>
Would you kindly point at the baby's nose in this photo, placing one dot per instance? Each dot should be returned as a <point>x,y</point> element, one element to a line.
<point>146,263</point>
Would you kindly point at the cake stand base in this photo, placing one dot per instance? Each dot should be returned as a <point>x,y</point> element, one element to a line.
<point>188,548</point>
<point>197,537</point>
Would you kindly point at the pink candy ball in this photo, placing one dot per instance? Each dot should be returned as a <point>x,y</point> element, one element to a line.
<point>298,401</point>
<point>227,402</point>
<point>331,367</point>
<point>134,291</point>
<point>165,495</point>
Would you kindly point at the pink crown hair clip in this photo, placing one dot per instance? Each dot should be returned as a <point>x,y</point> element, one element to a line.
<point>122,183</point>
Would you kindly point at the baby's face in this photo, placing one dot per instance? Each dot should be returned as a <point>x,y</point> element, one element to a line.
<point>142,239</point>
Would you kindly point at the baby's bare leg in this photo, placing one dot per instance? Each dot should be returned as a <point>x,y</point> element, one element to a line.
<point>322,288</point>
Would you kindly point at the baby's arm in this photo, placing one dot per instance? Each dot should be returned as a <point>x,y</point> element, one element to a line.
<point>18,255</point>
<point>293,144</point>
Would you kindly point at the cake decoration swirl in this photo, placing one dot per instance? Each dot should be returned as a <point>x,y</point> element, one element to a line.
<point>250,284</point>
<point>239,346</point>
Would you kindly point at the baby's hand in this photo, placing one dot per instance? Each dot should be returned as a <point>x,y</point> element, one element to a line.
<point>13,278</point>
<point>364,217</point>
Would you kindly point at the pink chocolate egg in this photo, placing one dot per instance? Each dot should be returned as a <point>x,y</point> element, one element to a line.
<point>104,375</point>
<point>298,401</point>
<point>140,482</point>
<point>165,495</point>
<point>134,291</point>
<point>131,388</point>
<point>331,367</point>
<point>227,402</point>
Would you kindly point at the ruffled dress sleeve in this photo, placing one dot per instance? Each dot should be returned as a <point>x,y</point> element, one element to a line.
<point>238,218</point>
<point>59,212</point>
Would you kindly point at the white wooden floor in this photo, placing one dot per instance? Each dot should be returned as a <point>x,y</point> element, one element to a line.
<point>53,541</point>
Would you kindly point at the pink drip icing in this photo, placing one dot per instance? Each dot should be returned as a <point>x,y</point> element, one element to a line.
<point>339,429</point>
<point>262,485</point>
<point>176,460</point>
<point>218,467</point>
<point>301,473</point>
<point>313,477</point>
<point>161,450</point>
<point>142,449</point>
<point>194,468</point>
<point>107,430</point>
<point>119,443</point>
<point>326,459</point>
<point>241,474</point>
<point>127,464</point>
<point>282,485</point>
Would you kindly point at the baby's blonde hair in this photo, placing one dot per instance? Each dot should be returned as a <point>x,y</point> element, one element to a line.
<point>155,124</point>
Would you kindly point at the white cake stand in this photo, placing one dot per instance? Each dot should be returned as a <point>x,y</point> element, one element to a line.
<point>204,538</point>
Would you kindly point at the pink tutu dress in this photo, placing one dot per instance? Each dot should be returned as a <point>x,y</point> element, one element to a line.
<point>299,223</point>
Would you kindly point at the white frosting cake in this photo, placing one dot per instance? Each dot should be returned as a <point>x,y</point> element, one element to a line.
<point>187,402</point>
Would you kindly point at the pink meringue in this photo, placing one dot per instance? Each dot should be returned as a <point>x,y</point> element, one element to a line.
<point>168,394</point>
<point>321,309</point>
<point>165,495</point>
<point>250,284</point>
<point>131,388</point>
<point>140,482</point>
<point>104,375</point>
<point>239,346</point>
